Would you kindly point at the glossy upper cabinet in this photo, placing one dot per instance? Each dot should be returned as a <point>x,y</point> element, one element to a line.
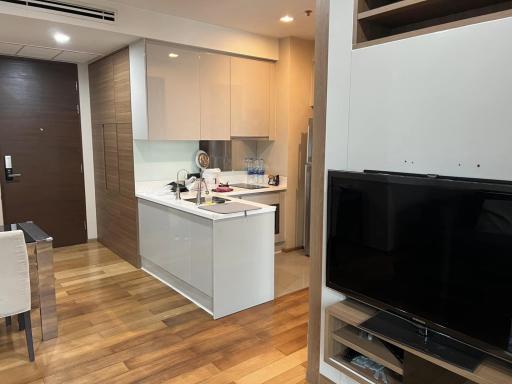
<point>174,103</point>
<point>252,98</point>
<point>214,74</point>
<point>185,94</point>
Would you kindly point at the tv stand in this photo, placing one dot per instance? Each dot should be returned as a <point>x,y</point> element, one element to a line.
<point>425,340</point>
<point>350,331</point>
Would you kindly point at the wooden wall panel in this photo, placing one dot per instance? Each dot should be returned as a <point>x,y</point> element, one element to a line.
<point>125,160</point>
<point>98,156</point>
<point>317,190</point>
<point>116,205</point>
<point>122,92</point>
<point>101,84</point>
<point>111,157</point>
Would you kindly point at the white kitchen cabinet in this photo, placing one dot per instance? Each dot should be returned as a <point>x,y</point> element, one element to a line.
<point>276,199</point>
<point>178,242</point>
<point>189,94</point>
<point>214,74</point>
<point>251,98</point>
<point>174,103</point>
<point>225,265</point>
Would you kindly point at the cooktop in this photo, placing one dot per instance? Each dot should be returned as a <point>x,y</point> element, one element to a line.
<point>248,186</point>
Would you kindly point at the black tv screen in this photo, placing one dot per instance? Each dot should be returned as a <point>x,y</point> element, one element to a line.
<point>434,249</point>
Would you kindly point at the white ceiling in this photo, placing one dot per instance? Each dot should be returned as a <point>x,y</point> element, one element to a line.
<point>29,37</point>
<point>34,38</point>
<point>257,16</point>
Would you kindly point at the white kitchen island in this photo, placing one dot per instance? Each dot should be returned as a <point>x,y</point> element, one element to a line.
<point>222,262</point>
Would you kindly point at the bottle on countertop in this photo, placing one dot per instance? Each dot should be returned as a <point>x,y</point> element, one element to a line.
<point>261,171</point>
<point>251,171</point>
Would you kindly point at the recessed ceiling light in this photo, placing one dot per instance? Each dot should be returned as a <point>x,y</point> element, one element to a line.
<point>61,38</point>
<point>173,55</point>
<point>286,19</point>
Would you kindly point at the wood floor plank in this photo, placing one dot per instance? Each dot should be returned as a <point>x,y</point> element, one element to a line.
<point>275,369</point>
<point>293,376</point>
<point>118,325</point>
<point>195,376</point>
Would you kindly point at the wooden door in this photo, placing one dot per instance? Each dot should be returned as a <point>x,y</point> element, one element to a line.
<point>40,129</point>
<point>173,93</point>
<point>214,74</point>
<point>250,97</point>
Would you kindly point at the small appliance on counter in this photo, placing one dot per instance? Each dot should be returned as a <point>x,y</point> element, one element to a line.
<point>273,180</point>
<point>174,186</point>
<point>223,188</point>
<point>211,177</point>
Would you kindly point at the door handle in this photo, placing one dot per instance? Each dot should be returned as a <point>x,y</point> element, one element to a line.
<point>9,174</point>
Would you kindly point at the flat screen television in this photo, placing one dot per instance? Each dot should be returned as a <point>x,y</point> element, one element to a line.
<point>432,249</point>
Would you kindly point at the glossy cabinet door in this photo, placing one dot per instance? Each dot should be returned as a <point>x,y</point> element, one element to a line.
<point>174,105</point>
<point>250,97</point>
<point>179,243</point>
<point>214,73</point>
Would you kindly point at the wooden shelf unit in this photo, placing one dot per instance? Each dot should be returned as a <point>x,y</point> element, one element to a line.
<point>381,21</point>
<point>343,333</point>
<point>374,349</point>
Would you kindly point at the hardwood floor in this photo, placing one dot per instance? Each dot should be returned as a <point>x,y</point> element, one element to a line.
<point>119,325</point>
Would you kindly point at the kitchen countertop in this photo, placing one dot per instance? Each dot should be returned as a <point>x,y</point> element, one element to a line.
<point>167,198</point>
<point>242,191</point>
<point>158,192</point>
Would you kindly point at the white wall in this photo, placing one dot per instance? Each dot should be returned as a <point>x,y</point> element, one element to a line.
<point>161,160</point>
<point>85,120</point>
<point>337,128</point>
<point>437,103</point>
<point>137,22</point>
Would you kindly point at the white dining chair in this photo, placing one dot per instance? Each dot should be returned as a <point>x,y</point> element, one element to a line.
<point>15,283</point>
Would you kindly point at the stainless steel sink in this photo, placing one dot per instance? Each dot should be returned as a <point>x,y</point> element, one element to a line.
<point>215,199</point>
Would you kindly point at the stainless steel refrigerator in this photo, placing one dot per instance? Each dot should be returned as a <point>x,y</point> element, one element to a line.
<point>307,187</point>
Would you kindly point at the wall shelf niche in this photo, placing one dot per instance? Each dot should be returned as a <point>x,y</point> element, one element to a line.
<point>381,21</point>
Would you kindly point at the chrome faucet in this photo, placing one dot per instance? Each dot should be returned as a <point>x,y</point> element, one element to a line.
<point>178,188</point>
<point>200,187</point>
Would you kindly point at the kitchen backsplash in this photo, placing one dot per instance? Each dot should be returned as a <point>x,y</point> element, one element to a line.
<point>157,186</point>
<point>161,160</point>
<point>230,155</point>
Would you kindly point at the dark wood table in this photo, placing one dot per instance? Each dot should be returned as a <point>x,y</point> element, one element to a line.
<point>42,277</point>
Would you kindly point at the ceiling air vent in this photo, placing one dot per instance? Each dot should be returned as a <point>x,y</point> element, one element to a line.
<point>67,9</point>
